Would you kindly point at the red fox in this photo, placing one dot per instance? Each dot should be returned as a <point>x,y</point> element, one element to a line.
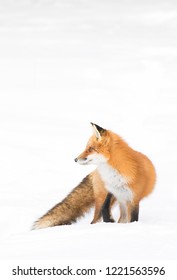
<point>122,174</point>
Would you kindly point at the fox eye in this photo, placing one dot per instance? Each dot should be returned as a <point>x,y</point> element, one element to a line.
<point>90,149</point>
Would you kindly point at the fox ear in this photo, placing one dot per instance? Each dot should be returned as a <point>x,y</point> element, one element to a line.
<point>97,130</point>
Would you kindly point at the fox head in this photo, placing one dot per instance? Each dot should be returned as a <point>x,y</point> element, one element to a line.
<point>97,150</point>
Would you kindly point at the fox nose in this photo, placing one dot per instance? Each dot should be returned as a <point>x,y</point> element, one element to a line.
<point>75,159</point>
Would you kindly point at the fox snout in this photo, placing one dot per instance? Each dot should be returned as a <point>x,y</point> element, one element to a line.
<point>83,159</point>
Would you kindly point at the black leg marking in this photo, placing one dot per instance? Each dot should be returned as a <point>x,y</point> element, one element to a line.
<point>135,214</point>
<point>105,211</point>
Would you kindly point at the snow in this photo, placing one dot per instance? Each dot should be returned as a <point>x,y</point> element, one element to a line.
<point>64,64</point>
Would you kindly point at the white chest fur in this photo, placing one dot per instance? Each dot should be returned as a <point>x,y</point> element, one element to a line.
<point>115,183</point>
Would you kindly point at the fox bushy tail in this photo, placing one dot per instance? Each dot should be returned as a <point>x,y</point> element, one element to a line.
<point>75,205</point>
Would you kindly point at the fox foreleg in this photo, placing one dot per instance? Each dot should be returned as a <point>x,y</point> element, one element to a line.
<point>106,209</point>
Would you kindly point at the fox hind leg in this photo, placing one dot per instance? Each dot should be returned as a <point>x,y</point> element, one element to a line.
<point>134,213</point>
<point>97,214</point>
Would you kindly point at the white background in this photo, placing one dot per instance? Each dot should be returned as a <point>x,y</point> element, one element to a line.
<point>62,65</point>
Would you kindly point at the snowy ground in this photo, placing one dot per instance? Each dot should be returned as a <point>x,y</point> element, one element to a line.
<point>62,65</point>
